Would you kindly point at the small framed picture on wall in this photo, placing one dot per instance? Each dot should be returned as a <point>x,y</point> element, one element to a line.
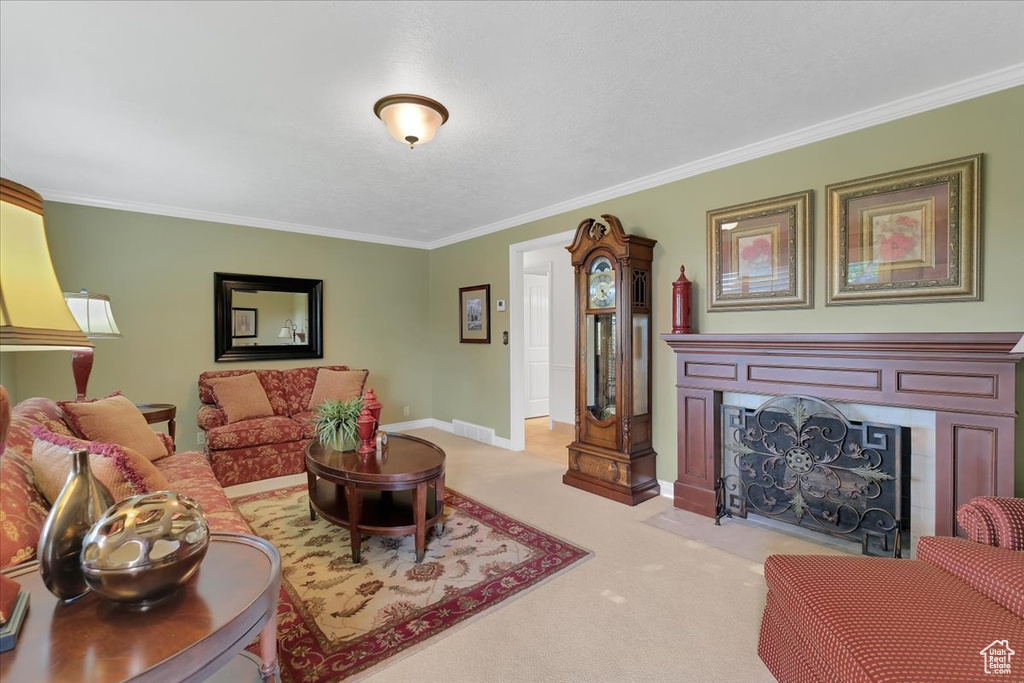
<point>475,314</point>
<point>243,323</point>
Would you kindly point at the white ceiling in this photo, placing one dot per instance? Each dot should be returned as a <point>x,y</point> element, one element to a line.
<point>260,113</point>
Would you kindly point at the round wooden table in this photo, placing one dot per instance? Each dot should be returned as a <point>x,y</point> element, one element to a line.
<point>160,412</point>
<point>387,494</point>
<point>187,637</point>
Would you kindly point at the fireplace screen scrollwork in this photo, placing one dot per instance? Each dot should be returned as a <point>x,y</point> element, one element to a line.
<point>799,460</point>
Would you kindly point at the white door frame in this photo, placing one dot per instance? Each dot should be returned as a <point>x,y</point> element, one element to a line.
<point>517,329</point>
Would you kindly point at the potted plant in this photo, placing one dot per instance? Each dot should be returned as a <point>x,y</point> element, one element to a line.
<point>335,423</point>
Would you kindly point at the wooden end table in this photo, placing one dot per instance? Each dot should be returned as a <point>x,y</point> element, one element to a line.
<point>387,494</point>
<point>160,412</point>
<point>187,637</point>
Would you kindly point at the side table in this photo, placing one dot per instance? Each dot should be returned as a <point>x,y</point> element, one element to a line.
<point>187,637</point>
<point>160,412</point>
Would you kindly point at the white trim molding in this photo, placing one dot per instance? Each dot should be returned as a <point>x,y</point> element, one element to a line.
<point>229,219</point>
<point>942,96</point>
<point>417,424</point>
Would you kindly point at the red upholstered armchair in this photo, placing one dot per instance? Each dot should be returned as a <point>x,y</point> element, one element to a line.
<point>994,521</point>
<point>869,619</point>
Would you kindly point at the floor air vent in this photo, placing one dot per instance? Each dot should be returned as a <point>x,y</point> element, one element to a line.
<point>472,431</point>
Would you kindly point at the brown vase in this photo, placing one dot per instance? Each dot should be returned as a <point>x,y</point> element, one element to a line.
<point>81,502</point>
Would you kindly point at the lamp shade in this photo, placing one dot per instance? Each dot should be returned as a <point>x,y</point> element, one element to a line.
<point>93,314</point>
<point>285,333</point>
<point>1019,348</point>
<point>33,315</point>
<point>412,119</point>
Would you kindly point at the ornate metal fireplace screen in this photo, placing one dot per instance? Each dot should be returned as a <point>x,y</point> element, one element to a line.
<point>799,460</point>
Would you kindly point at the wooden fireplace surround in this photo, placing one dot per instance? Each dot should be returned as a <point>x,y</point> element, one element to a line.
<point>967,378</point>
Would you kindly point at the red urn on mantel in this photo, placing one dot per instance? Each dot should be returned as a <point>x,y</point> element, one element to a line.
<point>365,428</point>
<point>370,402</point>
<point>681,304</point>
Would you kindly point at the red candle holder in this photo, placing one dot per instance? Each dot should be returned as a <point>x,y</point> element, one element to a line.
<point>370,401</point>
<point>365,431</point>
<point>681,304</point>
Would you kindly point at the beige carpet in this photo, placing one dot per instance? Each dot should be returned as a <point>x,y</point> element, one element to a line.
<point>648,606</point>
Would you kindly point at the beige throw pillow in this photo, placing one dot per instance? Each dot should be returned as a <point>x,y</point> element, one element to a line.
<point>241,397</point>
<point>123,471</point>
<point>337,385</point>
<point>114,420</point>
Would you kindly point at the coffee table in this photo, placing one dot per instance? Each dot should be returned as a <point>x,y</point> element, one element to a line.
<point>388,494</point>
<point>187,637</point>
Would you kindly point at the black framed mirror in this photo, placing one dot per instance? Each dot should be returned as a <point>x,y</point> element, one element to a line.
<point>259,317</point>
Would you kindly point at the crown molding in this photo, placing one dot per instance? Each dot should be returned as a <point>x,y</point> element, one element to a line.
<point>970,88</point>
<point>230,219</point>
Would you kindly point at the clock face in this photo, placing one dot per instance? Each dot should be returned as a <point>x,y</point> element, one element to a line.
<point>602,289</point>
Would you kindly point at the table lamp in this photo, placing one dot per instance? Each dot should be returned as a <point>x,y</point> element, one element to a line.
<point>291,331</point>
<point>287,331</point>
<point>33,315</point>
<point>93,314</point>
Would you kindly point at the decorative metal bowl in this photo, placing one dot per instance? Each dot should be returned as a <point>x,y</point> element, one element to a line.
<point>145,547</point>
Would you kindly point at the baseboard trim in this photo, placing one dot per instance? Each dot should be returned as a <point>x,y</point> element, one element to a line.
<point>417,424</point>
<point>667,488</point>
<point>430,422</point>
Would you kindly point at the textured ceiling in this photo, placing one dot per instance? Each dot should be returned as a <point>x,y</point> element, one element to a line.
<point>261,112</point>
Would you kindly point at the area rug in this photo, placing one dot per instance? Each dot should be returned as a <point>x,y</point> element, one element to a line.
<point>337,619</point>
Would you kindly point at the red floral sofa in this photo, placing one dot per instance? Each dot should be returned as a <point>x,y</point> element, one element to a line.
<point>862,619</point>
<point>265,447</point>
<point>23,508</point>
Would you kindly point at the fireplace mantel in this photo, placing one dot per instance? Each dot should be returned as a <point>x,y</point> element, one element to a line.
<point>967,378</point>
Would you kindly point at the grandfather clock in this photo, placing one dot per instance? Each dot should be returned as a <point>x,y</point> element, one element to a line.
<point>612,454</point>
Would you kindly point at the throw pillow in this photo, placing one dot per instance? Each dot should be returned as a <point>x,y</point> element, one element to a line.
<point>22,509</point>
<point>241,397</point>
<point>123,471</point>
<point>337,385</point>
<point>114,420</point>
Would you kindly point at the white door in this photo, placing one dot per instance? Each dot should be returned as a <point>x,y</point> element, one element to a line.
<point>537,351</point>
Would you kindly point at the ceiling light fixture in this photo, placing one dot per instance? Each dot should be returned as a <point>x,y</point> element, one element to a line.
<point>412,119</point>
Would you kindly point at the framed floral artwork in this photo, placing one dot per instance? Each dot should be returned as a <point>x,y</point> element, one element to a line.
<point>906,236</point>
<point>758,254</point>
<point>475,314</point>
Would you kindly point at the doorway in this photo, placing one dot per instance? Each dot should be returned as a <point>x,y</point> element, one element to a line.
<point>541,308</point>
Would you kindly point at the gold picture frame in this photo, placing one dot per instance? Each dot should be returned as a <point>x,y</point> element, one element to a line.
<point>758,254</point>
<point>906,236</point>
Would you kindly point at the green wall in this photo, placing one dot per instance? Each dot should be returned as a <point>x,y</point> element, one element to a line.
<point>158,272</point>
<point>378,314</point>
<point>471,382</point>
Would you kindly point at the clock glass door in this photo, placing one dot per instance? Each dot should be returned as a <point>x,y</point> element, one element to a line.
<point>599,373</point>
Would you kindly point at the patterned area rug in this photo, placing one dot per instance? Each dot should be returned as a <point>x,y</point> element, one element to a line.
<point>337,619</point>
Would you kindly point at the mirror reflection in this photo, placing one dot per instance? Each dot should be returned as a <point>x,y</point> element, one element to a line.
<point>267,318</point>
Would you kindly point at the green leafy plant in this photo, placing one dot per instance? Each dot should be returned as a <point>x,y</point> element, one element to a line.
<point>335,421</point>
